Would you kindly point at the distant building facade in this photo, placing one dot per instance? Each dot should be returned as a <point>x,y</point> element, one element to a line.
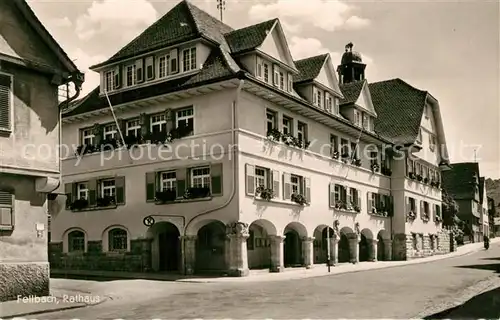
<point>32,67</point>
<point>312,171</point>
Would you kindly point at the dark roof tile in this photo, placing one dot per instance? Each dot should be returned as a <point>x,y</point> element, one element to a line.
<point>309,68</point>
<point>351,91</point>
<point>399,108</point>
<point>250,37</point>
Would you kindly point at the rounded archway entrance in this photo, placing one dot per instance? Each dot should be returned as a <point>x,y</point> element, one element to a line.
<point>322,235</point>
<point>343,246</point>
<point>259,244</point>
<point>210,248</point>
<point>382,237</point>
<point>165,247</point>
<point>293,244</point>
<point>365,244</point>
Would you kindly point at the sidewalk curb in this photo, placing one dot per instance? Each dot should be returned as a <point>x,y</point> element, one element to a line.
<point>450,255</point>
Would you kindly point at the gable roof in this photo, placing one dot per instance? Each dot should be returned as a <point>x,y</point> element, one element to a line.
<point>399,108</point>
<point>459,181</point>
<point>249,38</point>
<point>309,68</point>
<point>351,91</point>
<point>182,23</point>
<point>40,29</point>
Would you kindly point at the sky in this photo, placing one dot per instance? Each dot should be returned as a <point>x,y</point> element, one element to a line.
<point>448,48</point>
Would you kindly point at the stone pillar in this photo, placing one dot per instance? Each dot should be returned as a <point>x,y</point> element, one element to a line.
<point>334,249</point>
<point>373,249</point>
<point>308,252</point>
<point>188,254</point>
<point>277,254</point>
<point>387,249</point>
<point>146,255</point>
<point>354,240</point>
<point>237,233</point>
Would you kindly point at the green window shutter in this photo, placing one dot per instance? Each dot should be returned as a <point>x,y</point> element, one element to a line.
<point>68,190</point>
<point>180,175</point>
<point>5,102</point>
<point>139,69</point>
<point>369,205</point>
<point>358,194</point>
<point>250,179</point>
<point>287,186</point>
<point>216,179</point>
<point>276,183</point>
<point>307,189</point>
<point>120,190</point>
<point>150,186</point>
<point>331,193</point>
<point>92,192</point>
<point>7,214</point>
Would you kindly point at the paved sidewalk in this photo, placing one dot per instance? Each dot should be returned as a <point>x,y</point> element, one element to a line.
<point>57,301</point>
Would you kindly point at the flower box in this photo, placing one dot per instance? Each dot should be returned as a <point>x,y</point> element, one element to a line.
<point>410,216</point>
<point>106,201</point>
<point>264,193</point>
<point>196,193</point>
<point>166,195</point>
<point>419,177</point>
<point>298,198</point>
<point>374,167</point>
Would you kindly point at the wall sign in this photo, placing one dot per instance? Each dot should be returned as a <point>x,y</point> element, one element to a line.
<point>148,221</point>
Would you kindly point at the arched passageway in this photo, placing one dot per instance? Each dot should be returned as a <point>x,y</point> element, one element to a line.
<point>322,236</point>
<point>384,247</point>
<point>365,245</point>
<point>343,246</point>
<point>165,247</point>
<point>259,244</point>
<point>293,244</point>
<point>210,248</point>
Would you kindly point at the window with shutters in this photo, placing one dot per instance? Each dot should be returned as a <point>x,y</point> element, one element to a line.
<point>76,241</point>
<point>82,190</point>
<point>200,177</point>
<point>287,125</point>
<point>109,132</point>
<point>158,123</point>
<point>117,240</point>
<point>133,127</point>
<point>108,188</point>
<point>336,106</point>
<point>6,102</point>
<point>319,100</point>
<point>328,103</point>
<point>6,210</point>
<point>87,136</point>
<point>163,66</point>
<point>261,177</point>
<point>185,119</point>
<point>276,75</point>
<point>131,74</point>
<point>189,59</point>
<point>301,131</point>
<point>296,182</point>
<point>109,81</point>
<point>353,197</point>
<point>290,82</point>
<point>168,180</point>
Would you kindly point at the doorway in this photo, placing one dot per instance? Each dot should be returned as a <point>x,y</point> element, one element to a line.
<point>169,248</point>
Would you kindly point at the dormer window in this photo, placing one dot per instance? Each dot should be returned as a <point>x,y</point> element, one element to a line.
<point>290,82</point>
<point>131,75</point>
<point>328,103</point>
<point>318,98</point>
<point>366,121</point>
<point>266,72</point>
<point>189,59</point>
<point>109,80</point>
<point>282,81</point>
<point>276,78</point>
<point>336,106</point>
<point>163,63</point>
<point>357,118</point>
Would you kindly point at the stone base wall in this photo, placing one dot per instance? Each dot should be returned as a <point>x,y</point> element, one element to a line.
<point>412,246</point>
<point>23,279</point>
<point>137,260</point>
<point>446,242</point>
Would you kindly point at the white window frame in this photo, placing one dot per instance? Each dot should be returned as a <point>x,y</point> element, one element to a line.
<point>298,184</point>
<point>319,100</point>
<point>163,71</point>
<point>167,181</point>
<point>288,127</point>
<point>265,72</point>
<point>109,82</point>
<point>189,59</point>
<point>302,131</point>
<point>261,180</point>
<point>160,121</point>
<point>328,103</point>
<point>336,107</point>
<point>133,75</point>
<point>290,82</point>
<point>82,187</point>
<point>104,187</point>
<point>133,125</point>
<point>273,121</point>
<point>181,117</point>
<point>281,80</point>
<point>10,97</point>
<point>110,130</point>
<point>88,133</point>
<point>205,178</point>
<point>366,121</point>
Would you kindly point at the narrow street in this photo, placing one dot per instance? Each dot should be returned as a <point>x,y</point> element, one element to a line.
<point>410,291</point>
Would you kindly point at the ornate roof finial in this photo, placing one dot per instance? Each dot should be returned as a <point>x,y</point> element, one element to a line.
<point>348,47</point>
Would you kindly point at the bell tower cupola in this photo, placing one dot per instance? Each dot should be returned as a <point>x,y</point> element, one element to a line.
<point>351,67</point>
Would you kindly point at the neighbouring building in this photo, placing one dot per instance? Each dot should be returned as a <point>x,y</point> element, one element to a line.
<point>491,216</point>
<point>278,177</point>
<point>32,67</point>
<point>483,208</point>
<point>462,182</point>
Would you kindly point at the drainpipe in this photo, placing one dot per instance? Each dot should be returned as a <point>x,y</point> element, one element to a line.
<point>234,164</point>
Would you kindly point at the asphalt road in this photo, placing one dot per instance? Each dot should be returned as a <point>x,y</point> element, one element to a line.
<point>401,292</point>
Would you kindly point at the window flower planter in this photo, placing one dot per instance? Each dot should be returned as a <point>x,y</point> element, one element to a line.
<point>79,204</point>
<point>167,195</point>
<point>438,219</point>
<point>288,139</point>
<point>106,201</point>
<point>265,193</point>
<point>340,205</point>
<point>335,155</point>
<point>196,193</point>
<point>426,180</point>
<point>274,135</point>
<point>357,209</point>
<point>410,216</point>
<point>412,175</point>
<point>374,167</point>
<point>298,198</point>
<point>357,162</point>
<point>419,177</point>
<point>425,217</point>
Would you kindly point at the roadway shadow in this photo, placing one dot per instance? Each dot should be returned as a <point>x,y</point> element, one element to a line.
<point>483,306</point>
<point>495,266</point>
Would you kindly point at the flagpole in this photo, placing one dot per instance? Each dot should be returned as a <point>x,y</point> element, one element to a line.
<point>116,120</point>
